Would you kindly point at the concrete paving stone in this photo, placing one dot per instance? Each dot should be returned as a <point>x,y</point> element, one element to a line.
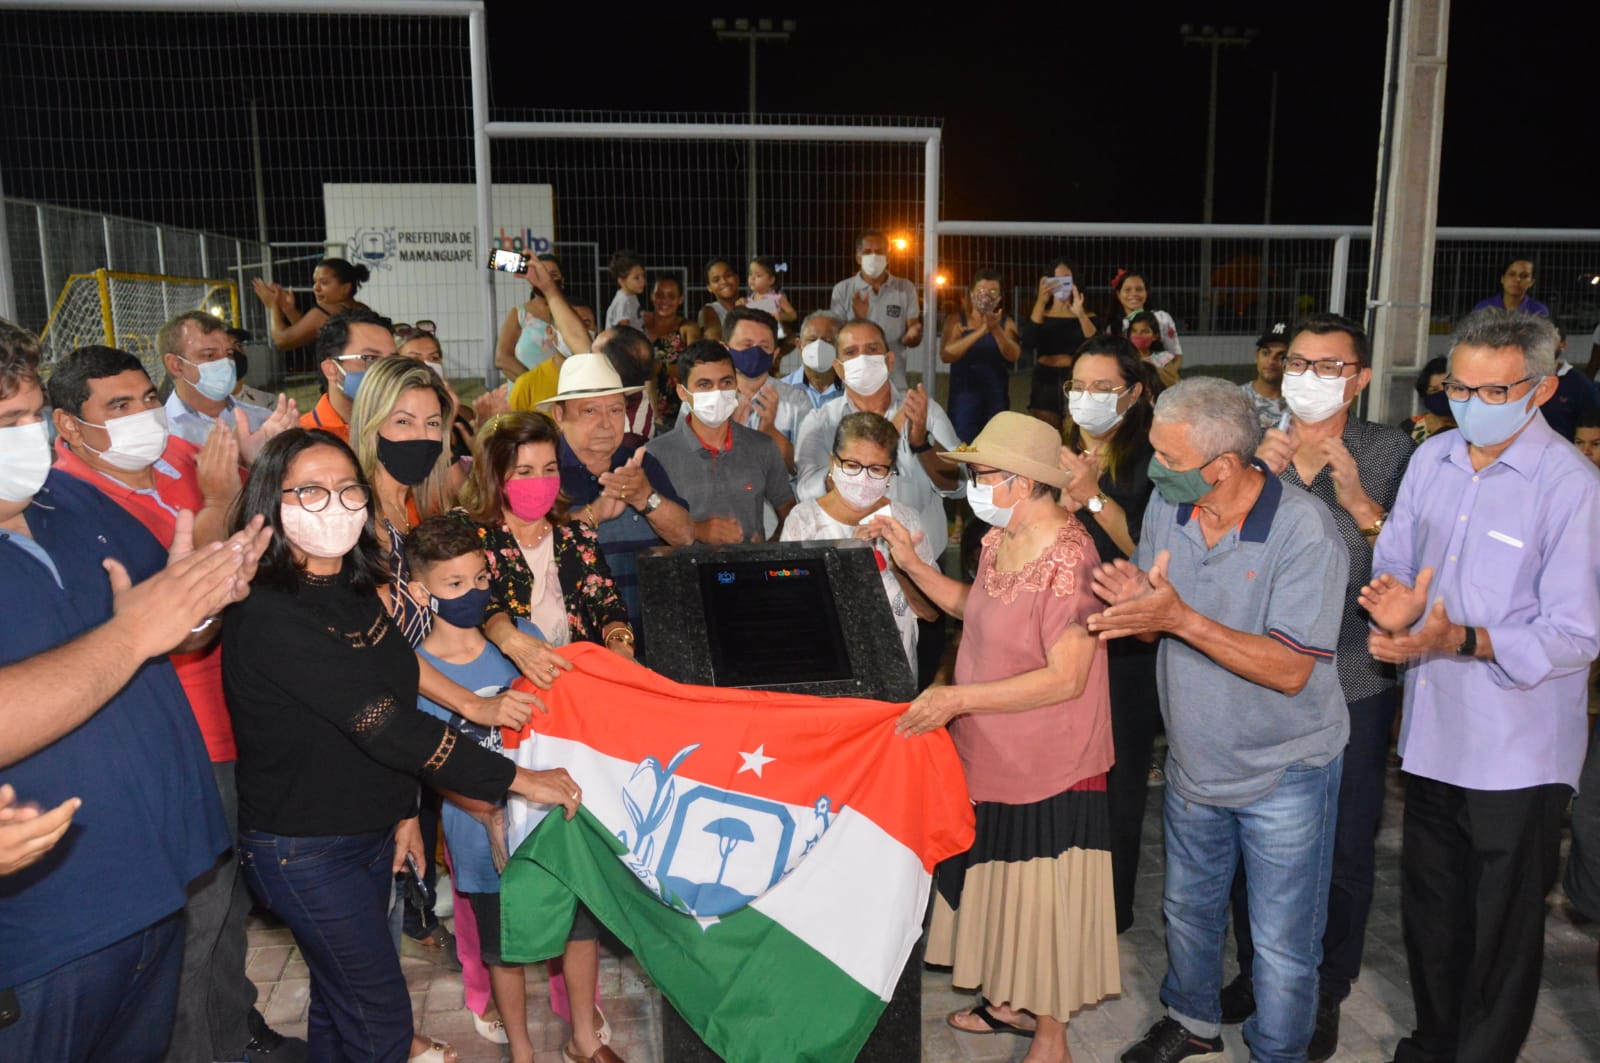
<point>1566,1050</point>
<point>1377,1014</point>
<point>266,964</point>
<point>288,1003</point>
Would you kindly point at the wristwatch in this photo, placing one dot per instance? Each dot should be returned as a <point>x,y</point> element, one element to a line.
<point>922,448</point>
<point>652,503</point>
<point>1469,645</point>
<point>1097,503</point>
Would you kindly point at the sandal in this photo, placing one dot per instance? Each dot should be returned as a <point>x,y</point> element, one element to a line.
<point>605,1055</point>
<point>982,1013</point>
<point>492,1030</point>
<point>438,1052</point>
<point>602,1029</point>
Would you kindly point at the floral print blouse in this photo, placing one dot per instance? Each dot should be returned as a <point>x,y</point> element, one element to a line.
<point>586,585</point>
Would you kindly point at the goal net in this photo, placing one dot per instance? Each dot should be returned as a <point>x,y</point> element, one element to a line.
<point>126,310</point>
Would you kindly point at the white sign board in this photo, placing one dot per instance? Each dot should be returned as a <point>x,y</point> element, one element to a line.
<point>421,244</point>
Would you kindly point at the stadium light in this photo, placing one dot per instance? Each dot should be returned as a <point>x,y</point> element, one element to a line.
<point>940,280</point>
<point>900,242</point>
<point>762,32</point>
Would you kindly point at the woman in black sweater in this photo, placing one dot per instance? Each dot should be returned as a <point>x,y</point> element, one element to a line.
<point>323,690</point>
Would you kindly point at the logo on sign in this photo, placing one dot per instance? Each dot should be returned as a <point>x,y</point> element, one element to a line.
<point>373,247</point>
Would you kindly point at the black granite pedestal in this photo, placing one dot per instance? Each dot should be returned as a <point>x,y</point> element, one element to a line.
<point>804,617</point>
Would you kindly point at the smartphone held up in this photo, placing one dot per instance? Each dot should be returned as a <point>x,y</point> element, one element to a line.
<point>508,261</point>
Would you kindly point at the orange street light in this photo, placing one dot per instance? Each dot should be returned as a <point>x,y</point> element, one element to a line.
<point>940,280</point>
<point>900,243</point>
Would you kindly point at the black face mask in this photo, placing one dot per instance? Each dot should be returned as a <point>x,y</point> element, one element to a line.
<point>411,460</point>
<point>1437,404</point>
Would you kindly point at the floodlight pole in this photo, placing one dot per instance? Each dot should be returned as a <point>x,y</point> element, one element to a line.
<point>752,35</point>
<point>1210,38</point>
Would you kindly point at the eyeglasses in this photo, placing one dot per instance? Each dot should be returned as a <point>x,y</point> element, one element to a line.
<point>421,328</point>
<point>1326,368</point>
<point>976,476</point>
<point>1098,387</point>
<point>366,360</point>
<point>314,497</point>
<point>874,472</point>
<point>1492,394</point>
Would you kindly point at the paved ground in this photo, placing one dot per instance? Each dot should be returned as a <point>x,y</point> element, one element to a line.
<point>1566,1026</point>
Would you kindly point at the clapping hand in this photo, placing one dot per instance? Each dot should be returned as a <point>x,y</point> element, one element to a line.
<point>627,484</point>
<point>285,415</point>
<point>861,302</point>
<point>1436,635</point>
<point>1276,450</point>
<point>1141,604</point>
<point>27,833</point>
<point>1391,604</point>
<point>914,410</point>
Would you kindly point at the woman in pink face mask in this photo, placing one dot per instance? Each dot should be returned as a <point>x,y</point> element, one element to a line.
<point>543,565</point>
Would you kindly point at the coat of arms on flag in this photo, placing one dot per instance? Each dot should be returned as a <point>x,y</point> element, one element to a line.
<point>749,847</point>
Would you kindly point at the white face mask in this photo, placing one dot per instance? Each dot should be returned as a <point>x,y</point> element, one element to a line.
<point>865,374</point>
<point>137,440</point>
<point>981,498</point>
<point>859,489</point>
<point>1311,398</point>
<point>713,408</point>
<point>874,265</point>
<point>818,355</point>
<point>24,460</point>
<point>1094,412</point>
<point>325,534</point>
<point>437,367</point>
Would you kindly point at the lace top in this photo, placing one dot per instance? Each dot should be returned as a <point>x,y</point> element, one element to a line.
<point>1012,621</point>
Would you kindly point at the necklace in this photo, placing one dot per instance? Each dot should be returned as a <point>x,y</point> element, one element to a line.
<point>529,542</point>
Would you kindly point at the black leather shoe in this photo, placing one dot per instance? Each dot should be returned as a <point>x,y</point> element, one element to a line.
<point>1325,1038</point>
<point>1238,999</point>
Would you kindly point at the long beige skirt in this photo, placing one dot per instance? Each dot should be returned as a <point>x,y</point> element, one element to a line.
<point>1027,913</point>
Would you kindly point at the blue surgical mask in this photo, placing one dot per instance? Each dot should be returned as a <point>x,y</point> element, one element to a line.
<point>351,382</point>
<point>981,498</point>
<point>1180,488</point>
<point>1484,425</point>
<point>751,361</point>
<point>466,610</point>
<point>217,378</point>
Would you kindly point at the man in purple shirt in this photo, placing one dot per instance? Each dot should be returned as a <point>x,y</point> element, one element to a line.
<point>1488,587</point>
<point>1514,285</point>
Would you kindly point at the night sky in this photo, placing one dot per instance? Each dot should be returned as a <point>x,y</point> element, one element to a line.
<point>1098,112</point>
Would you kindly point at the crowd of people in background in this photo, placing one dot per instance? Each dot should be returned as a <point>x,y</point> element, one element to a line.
<point>259,656</point>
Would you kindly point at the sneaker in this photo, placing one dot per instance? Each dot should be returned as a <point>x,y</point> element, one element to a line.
<point>1169,1041</point>
<point>1325,1038</point>
<point>1238,999</point>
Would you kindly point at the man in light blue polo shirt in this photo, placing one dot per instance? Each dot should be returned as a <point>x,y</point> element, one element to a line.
<point>196,350</point>
<point>819,335</point>
<point>1242,578</point>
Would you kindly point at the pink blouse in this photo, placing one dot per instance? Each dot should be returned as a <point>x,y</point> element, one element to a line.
<point>1012,620</point>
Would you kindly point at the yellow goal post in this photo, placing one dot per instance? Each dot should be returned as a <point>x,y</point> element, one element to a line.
<point>126,310</point>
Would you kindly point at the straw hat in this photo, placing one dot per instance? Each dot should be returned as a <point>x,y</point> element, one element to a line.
<point>585,376</point>
<point>1015,442</point>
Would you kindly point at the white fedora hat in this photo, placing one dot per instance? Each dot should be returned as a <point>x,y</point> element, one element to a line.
<point>585,376</point>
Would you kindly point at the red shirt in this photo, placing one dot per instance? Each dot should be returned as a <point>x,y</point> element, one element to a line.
<point>199,672</point>
<point>325,417</point>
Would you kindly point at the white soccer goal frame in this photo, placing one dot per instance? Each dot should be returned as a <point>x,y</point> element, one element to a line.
<point>471,10</point>
<point>929,137</point>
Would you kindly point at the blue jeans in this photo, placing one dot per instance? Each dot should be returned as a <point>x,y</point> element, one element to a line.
<point>1286,842</point>
<point>1355,851</point>
<point>333,893</point>
<point>116,1003</point>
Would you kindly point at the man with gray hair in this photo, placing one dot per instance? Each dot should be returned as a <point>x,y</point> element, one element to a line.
<point>1487,586</point>
<point>1241,577</point>
<point>818,346</point>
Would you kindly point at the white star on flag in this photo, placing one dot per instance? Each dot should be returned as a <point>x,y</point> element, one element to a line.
<point>755,761</point>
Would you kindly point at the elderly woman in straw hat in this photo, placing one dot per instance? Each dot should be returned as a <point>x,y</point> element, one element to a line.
<point>1027,913</point>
